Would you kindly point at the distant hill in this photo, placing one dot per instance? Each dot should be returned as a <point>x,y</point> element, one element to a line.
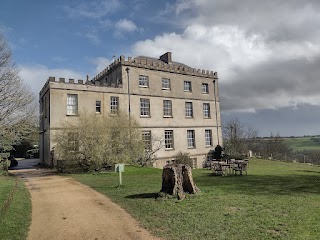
<point>303,143</point>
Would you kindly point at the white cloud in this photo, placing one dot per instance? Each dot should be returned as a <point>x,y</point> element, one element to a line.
<point>92,8</point>
<point>35,76</point>
<point>126,25</point>
<point>214,48</point>
<point>263,74</point>
<point>101,63</point>
<point>93,37</point>
<point>5,29</point>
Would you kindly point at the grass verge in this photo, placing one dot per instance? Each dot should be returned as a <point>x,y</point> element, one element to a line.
<point>277,200</point>
<point>16,216</point>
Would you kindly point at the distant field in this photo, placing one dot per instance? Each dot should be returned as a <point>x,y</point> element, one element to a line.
<point>303,143</point>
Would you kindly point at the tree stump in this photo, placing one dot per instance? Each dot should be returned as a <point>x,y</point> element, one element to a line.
<point>177,180</point>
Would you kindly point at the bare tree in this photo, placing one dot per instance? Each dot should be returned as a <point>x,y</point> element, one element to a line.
<point>238,137</point>
<point>275,147</point>
<point>151,148</point>
<point>17,107</point>
<point>98,141</point>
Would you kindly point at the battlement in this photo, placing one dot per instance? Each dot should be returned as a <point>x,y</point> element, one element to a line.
<point>72,81</point>
<point>155,64</point>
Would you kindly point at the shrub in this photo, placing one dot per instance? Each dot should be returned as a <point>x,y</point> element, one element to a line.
<point>94,142</point>
<point>183,158</point>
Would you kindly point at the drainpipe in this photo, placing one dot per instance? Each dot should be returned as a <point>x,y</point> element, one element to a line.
<point>129,109</point>
<point>216,110</point>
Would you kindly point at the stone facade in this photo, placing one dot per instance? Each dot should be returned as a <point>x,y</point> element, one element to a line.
<point>175,99</point>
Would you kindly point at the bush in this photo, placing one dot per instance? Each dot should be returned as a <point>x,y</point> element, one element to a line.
<point>183,158</point>
<point>94,142</point>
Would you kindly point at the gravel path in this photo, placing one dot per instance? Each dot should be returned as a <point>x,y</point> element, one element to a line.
<point>62,208</point>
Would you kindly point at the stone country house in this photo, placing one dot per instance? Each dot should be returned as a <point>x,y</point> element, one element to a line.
<point>170,100</point>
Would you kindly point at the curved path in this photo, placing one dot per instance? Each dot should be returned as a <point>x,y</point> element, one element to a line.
<point>62,208</point>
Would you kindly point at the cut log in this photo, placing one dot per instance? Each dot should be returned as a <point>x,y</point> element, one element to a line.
<point>177,180</point>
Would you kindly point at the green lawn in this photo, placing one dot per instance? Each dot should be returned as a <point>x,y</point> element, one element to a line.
<point>303,143</point>
<point>15,220</point>
<point>276,200</point>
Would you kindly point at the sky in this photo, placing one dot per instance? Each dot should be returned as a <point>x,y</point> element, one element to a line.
<point>266,53</point>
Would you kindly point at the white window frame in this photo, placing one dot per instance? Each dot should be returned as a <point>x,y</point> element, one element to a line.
<point>189,109</point>
<point>208,137</point>
<point>72,104</point>
<point>166,84</point>
<point>205,88</point>
<point>168,139</point>
<point>187,87</point>
<point>206,110</point>
<point>114,105</point>
<point>143,81</point>
<point>167,108</point>
<point>144,107</point>
<point>191,140</point>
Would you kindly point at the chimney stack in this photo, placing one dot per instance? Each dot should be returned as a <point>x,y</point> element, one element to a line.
<point>167,57</point>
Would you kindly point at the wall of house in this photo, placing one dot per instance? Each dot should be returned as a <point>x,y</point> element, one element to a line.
<point>56,91</point>
<point>157,123</point>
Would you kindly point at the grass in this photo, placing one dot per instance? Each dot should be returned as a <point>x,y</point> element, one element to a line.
<point>276,200</point>
<point>15,221</point>
<point>303,143</point>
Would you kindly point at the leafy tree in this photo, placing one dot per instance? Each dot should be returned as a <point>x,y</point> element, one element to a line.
<point>17,107</point>
<point>95,141</point>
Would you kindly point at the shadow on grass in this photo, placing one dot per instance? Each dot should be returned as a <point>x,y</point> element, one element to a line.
<point>257,184</point>
<point>308,171</point>
<point>143,195</point>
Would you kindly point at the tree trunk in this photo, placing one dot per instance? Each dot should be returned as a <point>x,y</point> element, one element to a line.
<point>177,180</point>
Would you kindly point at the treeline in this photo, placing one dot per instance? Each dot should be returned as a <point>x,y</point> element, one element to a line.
<point>275,148</point>
<point>240,138</point>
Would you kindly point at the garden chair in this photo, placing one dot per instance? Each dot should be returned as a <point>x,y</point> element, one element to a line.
<point>240,167</point>
<point>217,168</point>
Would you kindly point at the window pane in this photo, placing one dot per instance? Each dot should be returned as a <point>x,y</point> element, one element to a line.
<point>208,137</point>
<point>98,106</point>
<point>167,108</point>
<point>206,110</point>
<point>73,141</point>
<point>114,105</point>
<point>72,104</point>
<point>146,137</point>
<point>165,83</point>
<point>187,86</point>
<point>190,138</point>
<point>189,109</point>
<point>168,139</point>
<point>205,88</point>
<point>144,107</point>
<point>143,81</point>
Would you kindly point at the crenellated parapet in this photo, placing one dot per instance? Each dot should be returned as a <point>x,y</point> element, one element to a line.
<point>155,64</point>
<point>74,82</point>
